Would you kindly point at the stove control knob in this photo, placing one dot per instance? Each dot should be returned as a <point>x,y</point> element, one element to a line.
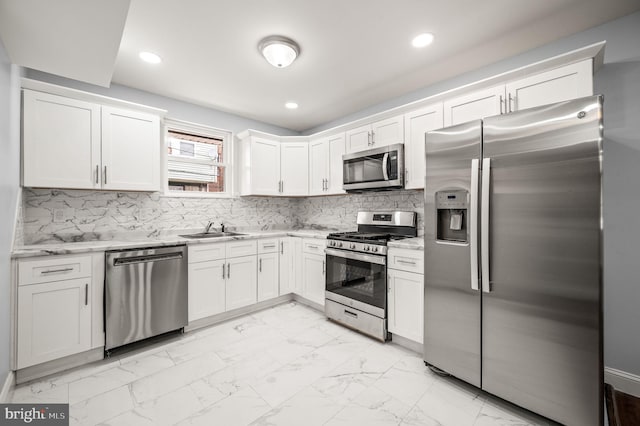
<point>339,244</point>
<point>353,246</point>
<point>366,248</point>
<point>374,249</point>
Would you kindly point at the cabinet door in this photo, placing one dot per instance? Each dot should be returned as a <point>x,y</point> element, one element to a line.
<point>561,84</point>
<point>358,139</point>
<point>313,266</point>
<point>61,142</point>
<point>336,151</point>
<point>388,132</point>
<point>406,301</point>
<point>474,106</point>
<point>241,282</point>
<point>206,289</point>
<point>265,167</point>
<point>286,261</point>
<point>130,150</point>
<point>54,320</point>
<point>416,124</point>
<point>267,276</point>
<point>294,168</point>
<point>318,166</point>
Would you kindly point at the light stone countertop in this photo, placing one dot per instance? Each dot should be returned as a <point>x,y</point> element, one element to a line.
<point>137,241</point>
<point>416,243</point>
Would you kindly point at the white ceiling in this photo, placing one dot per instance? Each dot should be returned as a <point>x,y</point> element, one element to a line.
<point>355,53</point>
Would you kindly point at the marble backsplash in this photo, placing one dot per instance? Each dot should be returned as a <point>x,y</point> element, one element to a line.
<point>340,211</point>
<point>102,215</point>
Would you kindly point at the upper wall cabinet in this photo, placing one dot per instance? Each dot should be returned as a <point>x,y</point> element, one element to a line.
<point>560,84</point>
<point>270,167</point>
<point>325,165</point>
<point>416,124</point>
<point>70,143</point>
<point>375,135</point>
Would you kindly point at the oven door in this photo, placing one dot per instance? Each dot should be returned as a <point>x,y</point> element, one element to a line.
<point>375,168</point>
<point>357,280</point>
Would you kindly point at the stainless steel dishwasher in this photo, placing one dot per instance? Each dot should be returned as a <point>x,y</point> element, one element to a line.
<point>145,293</point>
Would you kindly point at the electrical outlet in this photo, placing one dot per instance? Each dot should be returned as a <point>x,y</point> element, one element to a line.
<point>58,215</point>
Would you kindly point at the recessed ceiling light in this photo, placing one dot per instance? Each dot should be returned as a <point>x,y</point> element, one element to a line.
<point>422,40</point>
<point>279,51</point>
<point>291,105</point>
<point>150,57</point>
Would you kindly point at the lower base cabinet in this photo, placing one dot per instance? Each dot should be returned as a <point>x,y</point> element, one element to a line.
<point>207,289</point>
<point>268,276</point>
<point>313,279</point>
<point>405,303</point>
<point>241,282</point>
<point>54,320</point>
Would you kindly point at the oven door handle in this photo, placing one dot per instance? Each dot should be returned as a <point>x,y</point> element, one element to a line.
<point>371,258</point>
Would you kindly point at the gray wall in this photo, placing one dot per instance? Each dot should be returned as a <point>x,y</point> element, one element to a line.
<point>619,81</point>
<point>176,109</point>
<point>9,182</point>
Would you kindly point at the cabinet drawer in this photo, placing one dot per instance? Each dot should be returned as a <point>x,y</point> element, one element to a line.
<point>269,245</point>
<point>313,246</point>
<point>242,248</point>
<point>53,268</point>
<point>206,252</point>
<point>406,260</point>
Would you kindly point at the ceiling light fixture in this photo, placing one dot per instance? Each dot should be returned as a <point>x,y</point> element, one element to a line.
<point>422,40</point>
<point>150,57</point>
<point>291,105</point>
<point>279,51</point>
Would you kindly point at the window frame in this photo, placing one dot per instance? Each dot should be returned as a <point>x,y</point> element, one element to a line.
<point>201,130</point>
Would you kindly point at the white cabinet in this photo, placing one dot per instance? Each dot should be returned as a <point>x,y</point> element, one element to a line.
<point>405,303</point>
<point>68,143</point>
<point>474,106</point>
<point>241,282</point>
<point>405,293</point>
<point>61,142</point>
<point>206,289</point>
<point>287,265</point>
<point>222,276</point>
<point>416,124</point>
<point>270,167</point>
<point>560,84</point>
<point>294,166</point>
<point>263,164</point>
<point>374,135</point>
<point>268,265</point>
<point>130,150</point>
<point>313,270</point>
<point>325,165</point>
<point>54,315</point>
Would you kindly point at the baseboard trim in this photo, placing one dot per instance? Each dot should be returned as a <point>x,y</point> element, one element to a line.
<point>9,383</point>
<point>407,343</point>
<point>622,381</point>
<point>57,365</point>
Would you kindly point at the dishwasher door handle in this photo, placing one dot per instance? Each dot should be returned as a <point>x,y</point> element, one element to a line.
<point>146,258</point>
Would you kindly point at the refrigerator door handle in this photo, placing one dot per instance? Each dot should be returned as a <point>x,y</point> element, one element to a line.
<point>473,223</point>
<point>484,219</point>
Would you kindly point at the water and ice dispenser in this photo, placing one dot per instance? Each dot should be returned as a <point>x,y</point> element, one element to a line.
<point>452,215</point>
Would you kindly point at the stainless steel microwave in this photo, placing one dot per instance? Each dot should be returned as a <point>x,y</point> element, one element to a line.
<point>374,169</point>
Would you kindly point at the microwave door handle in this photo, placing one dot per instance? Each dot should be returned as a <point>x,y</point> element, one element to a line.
<point>385,165</point>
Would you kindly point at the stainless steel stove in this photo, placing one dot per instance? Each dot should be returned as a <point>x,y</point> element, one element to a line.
<point>356,279</point>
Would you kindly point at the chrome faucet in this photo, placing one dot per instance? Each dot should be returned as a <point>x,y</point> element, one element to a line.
<point>207,229</point>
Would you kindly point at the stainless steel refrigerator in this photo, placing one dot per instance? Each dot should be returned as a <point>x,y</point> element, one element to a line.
<point>513,257</point>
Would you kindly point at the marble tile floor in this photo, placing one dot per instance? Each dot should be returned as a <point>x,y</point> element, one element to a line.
<point>286,365</point>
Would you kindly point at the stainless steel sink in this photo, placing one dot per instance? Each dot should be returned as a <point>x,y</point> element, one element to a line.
<point>211,235</point>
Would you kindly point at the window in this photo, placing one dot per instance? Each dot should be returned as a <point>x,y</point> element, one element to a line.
<point>197,159</point>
